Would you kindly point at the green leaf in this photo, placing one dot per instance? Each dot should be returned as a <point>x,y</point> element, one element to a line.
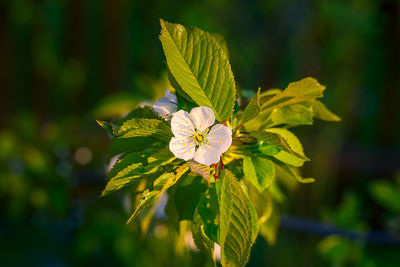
<point>123,145</point>
<point>202,242</point>
<point>221,42</point>
<point>290,115</point>
<point>267,149</point>
<point>158,159</point>
<point>145,112</point>
<point>144,127</point>
<point>296,92</point>
<point>256,123</point>
<point>126,170</point>
<point>254,218</point>
<point>183,103</point>
<point>136,134</point>
<point>133,166</point>
<point>267,95</point>
<point>236,223</point>
<point>260,171</point>
<point>187,196</point>
<point>322,112</point>
<point>252,109</point>
<point>200,67</point>
<point>160,185</point>
<point>286,141</point>
<point>294,173</point>
<point>138,113</point>
<point>208,208</point>
<point>106,126</point>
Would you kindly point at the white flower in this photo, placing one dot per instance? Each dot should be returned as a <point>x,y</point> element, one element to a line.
<point>193,139</point>
<point>166,106</point>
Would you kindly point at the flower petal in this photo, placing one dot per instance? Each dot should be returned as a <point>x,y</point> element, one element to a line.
<point>220,137</point>
<point>182,148</point>
<point>202,117</point>
<point>170,97</point>
<point>181,125</point>
<point>207,154</point>
<point>164,107</point>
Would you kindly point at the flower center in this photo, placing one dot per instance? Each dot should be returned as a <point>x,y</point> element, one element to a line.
<point>200,138</point>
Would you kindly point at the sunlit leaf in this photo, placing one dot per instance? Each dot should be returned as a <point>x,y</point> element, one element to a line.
<point>296,92</point>
<point>290,115</point>
<point>133,166</point>
<point>294,173</point>
<point>200,67</point>
<point>127,169</point>
<point>252,109</point>
<point>160,185</point>
<point>260,171</point>
<point>236,224</point>
<point>286,141</point>
<point>156,128</point>
<point>322,112</point>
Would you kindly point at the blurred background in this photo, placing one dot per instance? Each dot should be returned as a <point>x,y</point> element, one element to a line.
<point>66,63</point>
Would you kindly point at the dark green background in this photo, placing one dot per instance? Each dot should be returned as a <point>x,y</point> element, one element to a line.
<point>63,61</point>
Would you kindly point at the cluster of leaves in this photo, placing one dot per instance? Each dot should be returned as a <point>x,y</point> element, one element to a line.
<point>237,198</point>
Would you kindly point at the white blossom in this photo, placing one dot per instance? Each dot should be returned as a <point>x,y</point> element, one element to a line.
<point>166,106</point>
<point>194,140</point>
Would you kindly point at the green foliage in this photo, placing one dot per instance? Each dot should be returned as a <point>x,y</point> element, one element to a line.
<point>209,211</point>
<point>124,171</point>
<point>260,171</point>
<point>187,196</point>
<point>160,185</point>
<point>236,224</point>
<point>203,243</point>
<point>295,114</point>
<point>322,112</point>
<point>210,201</point>
<point>133,166</point>
<point>140,129</point>
<point>252,109</point>
<point>200,67</point>
<point>296,92</point>
<point>296,105</point>
<point>143,127</point>
<point>284,140</point>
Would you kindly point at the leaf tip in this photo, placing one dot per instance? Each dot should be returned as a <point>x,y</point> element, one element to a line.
<point>101,123</point>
